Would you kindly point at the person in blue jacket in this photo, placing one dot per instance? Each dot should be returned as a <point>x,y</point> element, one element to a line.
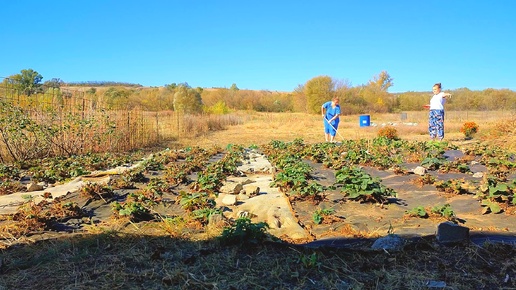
<point>331,112</point>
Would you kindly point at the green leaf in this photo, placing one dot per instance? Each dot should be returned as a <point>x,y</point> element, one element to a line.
<point>485,202</point>
<point>495,207</point>
<point>317,218</point>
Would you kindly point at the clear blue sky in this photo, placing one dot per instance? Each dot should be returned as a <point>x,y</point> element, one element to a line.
<point>271,45</point>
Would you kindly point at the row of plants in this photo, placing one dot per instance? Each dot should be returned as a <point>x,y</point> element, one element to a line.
<point>293,175</point>
<point>294,178</point>
<point>32,217</point>
<point>381,152</point>
<point>198,202</point>
<point>495,192</point>
<point>495,196</point>
<point>386,153</point>
<point>139,205</point>
<point>357,185</point>
<point>437,211</point>
<point>59,169</point>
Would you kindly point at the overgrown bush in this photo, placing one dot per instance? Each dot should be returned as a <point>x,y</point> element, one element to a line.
<point>22,138</point>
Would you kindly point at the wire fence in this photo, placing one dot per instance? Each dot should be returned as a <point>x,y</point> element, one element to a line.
<point>56,121</point>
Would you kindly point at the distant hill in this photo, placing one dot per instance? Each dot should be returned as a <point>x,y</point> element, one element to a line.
<point>101,84</point>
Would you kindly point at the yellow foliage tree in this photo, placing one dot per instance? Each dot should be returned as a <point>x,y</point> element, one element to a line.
<point>318,90</point>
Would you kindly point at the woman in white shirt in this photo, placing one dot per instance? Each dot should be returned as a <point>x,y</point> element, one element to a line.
<point>436,116</point>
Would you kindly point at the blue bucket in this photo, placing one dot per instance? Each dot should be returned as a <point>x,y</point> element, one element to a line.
<point>365,121</point>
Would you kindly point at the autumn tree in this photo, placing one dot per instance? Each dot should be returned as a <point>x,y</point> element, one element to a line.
<point>211,97</point>
<point>187,100</point>
<point>381,82</point>
<point>117,98</point>
<point>317,91</point>
<point>376,95</point>
<point>349,96</point>
<point>218,108</point>
<point>412,101</point>
<point>299,99</point>
<point>234,87</point>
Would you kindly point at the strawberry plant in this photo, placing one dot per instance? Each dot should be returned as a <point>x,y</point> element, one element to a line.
<point>500,167</point>
<point>360,186</point>
<point>295,179</point>
<point>454,166</point>
<point>319,214</point>
<point>154,189</point>
<point>418,211</point>
<point>433,163</point>
<point>209,181</point>
<point>463,168</point>
<point>121,183</point>
<point>494,193</point>
<point>439,210</point>
<point>399,170</point>
<point>444,210</point>
<point>293,175</point>
<point>452,186</point>
<point>8,172</point>
<point>65,210</point>
<point>312,189</point>
<point>244,232</point>
<point>326,153</point>
<point>425,179</point>
<point>57,169</point>
<point>212,177</point>
<point>134,210</point>
<point>9,187</point>
<point>153,163</point>
<point>309,261</point>
<point>196,159</point>
<point>137,207</point>
<point>196,200</point>
<point>94,190</point>
<point>177,173</point>
<point>203,214</point>
<point>135,175</point>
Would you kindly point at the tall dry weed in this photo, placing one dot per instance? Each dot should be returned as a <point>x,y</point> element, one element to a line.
<point>502,134</point>
<point>197,125</point>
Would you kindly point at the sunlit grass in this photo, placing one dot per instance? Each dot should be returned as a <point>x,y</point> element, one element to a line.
<point>260,128</point>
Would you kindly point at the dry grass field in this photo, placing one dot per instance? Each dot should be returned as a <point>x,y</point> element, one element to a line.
<point>259,128</point>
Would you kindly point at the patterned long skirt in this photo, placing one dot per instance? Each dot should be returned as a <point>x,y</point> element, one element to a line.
<point>436,124</point>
